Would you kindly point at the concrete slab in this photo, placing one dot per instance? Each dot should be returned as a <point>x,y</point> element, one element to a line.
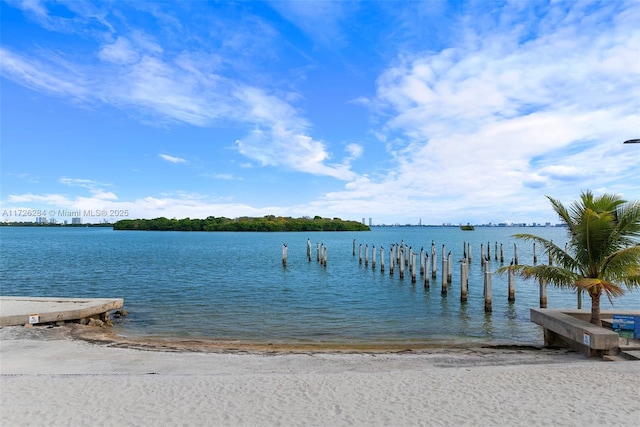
<point>16,310</point>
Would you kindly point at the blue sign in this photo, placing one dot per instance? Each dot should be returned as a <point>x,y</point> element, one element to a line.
<point>628,325</point>
<point>623,322</point>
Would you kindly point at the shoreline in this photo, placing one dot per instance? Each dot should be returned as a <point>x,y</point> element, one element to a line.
<point>64,376</point>
<point>106,336</point>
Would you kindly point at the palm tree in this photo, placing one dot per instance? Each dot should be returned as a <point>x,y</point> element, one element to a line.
<point>603,252</point>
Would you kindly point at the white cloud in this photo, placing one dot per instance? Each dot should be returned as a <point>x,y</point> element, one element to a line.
<point>172,159</point>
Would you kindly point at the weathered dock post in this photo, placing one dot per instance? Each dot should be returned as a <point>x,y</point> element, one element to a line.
<point>487,286</point>
<point>401,262</point>
<point>501,254</point>
<point>495,252</point>
<point>511,281</point>
<point>413,268</point>
<point>489,250</point>
<point>463,280</point>
<point>317,252</point>
<point>444,276</point>
<point>469,253</point>
<point>381,259</point>
<point>373,257</point>
<point>309,250</point>
<point>407,255</point>
<point>515,254</point>
<point>360,254</point>
<point>449,268</point>
<point>284,254</point>
<point>324,255</point>
<point>366,255</point>
<point>482,256</point>
<point>354,247</point>
<point>444,264</point>
<point>543,293</point>
<point>579,299</point>
<point>421,261</point>
<point>391,258</point>
<point>434,262</point>
<point>535,256</point>
<point>426,272</point>
<point>550,258</point>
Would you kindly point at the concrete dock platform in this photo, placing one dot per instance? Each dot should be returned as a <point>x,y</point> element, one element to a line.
<point>16,310</point>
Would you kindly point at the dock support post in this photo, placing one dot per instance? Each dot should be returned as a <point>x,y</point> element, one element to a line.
<point>426,273</point>
<point>543,293</point>
<point>444,276</point>
<point>487,287</point>
<point>284,254</point>
<point>463,280</point>
<point>512,288</point>
<point>434,262</point>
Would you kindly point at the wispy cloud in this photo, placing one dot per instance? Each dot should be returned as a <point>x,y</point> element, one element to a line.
<point>172,159</point>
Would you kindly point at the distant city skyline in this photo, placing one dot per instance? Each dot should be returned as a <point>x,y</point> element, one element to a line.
<point>432,112</point>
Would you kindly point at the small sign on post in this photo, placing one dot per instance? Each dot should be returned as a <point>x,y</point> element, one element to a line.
<point>34,318</point>
<point>586,338</point>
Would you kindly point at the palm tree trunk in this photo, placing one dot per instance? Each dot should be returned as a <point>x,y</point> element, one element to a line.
<point>595,308</point>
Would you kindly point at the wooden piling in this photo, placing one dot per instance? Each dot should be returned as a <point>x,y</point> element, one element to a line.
<point>489,250</point>
<point>444,276</point>
<point>501,254</point>
<point>401,262</point>
<point>426,273</point>
<point>413,268</point>
<point>354,247</point>
<point>366,255</point>
<point>511,281</point>
<point>360,254</point>
<point>381,259</point>
<point>434,262</point>
<point>309,250</point>
<point>535,256</point>
<point>482,256</point>
<point>495,252</point>
<point>469,253</point>
<point>487,287</point>
<point>463,280</point>
<point>421,261</point>
<point>391,259</point>
<point>515,254</point>
<point>550,258</point>
<point>284,254</point>
<point>543,293</point>
<point>373,257</point>
<point>449,268</point>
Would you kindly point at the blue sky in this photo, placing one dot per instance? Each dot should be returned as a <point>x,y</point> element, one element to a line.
<point>440,111</point>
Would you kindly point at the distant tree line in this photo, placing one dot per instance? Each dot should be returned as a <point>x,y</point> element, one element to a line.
<point>266,223</point>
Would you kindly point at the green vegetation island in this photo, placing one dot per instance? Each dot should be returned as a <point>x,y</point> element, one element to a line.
<point>266,223</point>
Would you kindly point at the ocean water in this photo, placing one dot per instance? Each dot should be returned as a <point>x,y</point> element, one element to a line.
<point>233,286</point>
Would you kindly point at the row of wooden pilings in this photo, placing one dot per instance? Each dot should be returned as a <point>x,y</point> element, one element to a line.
<point>321,253</point>
<point>403,256</point>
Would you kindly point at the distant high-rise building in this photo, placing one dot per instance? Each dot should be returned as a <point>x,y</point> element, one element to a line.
<point>41,219</point>
<point>76,220</point>
<point>364,223</point>
<point>370,222</point>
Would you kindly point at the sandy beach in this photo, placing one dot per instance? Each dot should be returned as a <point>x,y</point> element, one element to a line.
<point>50,378</point>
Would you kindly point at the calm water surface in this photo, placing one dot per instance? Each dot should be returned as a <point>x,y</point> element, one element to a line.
<point>233,285</point>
